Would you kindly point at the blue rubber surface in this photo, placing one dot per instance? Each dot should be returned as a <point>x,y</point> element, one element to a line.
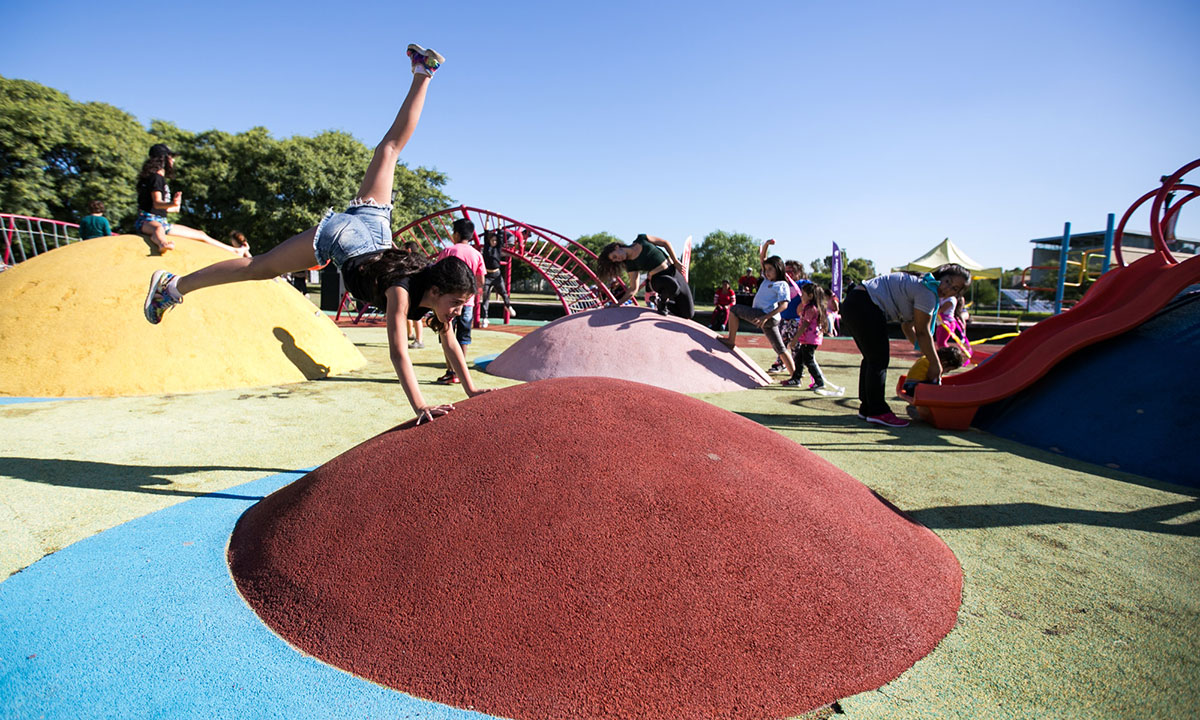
<point>19,400</point>
<point>144,621</point>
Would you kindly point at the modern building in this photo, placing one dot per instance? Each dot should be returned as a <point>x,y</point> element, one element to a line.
<point>1088,247</point>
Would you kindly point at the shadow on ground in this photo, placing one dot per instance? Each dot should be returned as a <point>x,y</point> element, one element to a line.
<point>91,475</point>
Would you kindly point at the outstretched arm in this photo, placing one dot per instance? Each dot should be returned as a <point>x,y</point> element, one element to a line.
<point>665,246</point>
<point>762,251</point>
<point>924,340</point>
<point>631,287</point>
<point>397,310</point>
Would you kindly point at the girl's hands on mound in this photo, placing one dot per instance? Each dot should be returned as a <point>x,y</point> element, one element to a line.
<point>428,413</point>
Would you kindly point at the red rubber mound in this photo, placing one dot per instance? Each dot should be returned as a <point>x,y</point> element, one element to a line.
<point>593,548</point>
<point>630,343</point>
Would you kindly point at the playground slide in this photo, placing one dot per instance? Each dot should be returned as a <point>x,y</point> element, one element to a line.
<point>1119,301</point>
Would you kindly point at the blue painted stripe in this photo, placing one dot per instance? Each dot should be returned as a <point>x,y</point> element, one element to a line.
<point>144,621</point>
<point>19,400</point>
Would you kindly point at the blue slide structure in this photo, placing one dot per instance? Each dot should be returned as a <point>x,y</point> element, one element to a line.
<point>1131,402</point>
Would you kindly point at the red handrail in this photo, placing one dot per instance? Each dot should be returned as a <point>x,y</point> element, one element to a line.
<point>563,255</point>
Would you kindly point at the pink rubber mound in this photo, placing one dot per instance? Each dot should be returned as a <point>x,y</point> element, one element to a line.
<point>598,549</point>
<point>630,343</point>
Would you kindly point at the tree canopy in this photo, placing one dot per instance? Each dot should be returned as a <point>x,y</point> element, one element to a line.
<point>721,256</point>
<point>57,155</point>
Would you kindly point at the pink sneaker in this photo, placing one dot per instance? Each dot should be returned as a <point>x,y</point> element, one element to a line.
<point>888,418</point>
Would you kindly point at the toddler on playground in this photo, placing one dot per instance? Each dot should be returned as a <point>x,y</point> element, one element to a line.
<point>808,337</point>
<point>951,358</point>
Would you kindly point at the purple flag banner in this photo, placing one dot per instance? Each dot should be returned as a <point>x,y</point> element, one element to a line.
<point>835,267</point>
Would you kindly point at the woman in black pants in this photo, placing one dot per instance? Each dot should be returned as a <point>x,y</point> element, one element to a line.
<point>911,300</point>
<point>656,257</point>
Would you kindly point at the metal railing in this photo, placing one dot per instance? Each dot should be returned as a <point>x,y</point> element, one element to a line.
<point>26,237</point>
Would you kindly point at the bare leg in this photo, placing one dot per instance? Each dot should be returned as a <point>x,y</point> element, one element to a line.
<point>377,183</point>
<point>733,328</point>
<point>157,236</point>
<point>292,255</point>
<point>193,234</point>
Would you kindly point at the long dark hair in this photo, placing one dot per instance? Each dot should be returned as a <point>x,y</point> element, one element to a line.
<point>776,262</point>
<point>818,301</point>
<point>153,165</point>
<point>607,269</point>
<point>448,275</point>
<point>953,270</point>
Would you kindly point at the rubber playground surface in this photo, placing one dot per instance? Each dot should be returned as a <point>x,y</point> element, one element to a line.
<point>1081,586</point>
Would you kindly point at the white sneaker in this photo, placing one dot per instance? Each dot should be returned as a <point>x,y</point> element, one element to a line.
<point>512,311</point>
<point>830,390</point>
<point>483,323</point>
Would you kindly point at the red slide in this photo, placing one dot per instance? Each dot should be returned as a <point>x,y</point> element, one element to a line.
<point>1119,301</point>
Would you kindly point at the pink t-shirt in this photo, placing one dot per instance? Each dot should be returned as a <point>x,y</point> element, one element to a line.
<point>810,326</point>
<point>472,257</point>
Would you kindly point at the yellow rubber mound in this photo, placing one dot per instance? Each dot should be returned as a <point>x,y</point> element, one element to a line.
<point>71,325</point>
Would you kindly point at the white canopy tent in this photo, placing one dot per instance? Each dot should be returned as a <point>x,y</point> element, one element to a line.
<point>947,252</point>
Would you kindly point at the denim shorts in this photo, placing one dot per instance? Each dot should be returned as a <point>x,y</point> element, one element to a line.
<point>144,216</point>
<point>364,228</point>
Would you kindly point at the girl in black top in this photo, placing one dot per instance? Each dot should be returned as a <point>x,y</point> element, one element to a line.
<point>359,242</point>
<point>655,257</point>
<point>155,201</point>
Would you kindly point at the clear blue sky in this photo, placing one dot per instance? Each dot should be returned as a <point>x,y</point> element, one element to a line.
<point>883,125</point>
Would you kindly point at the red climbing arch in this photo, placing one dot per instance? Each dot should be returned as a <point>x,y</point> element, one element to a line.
<point>565,264</point>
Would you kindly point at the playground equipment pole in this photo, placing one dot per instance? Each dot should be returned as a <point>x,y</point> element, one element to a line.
<point>1062,268</point>
<point>1108,243</point>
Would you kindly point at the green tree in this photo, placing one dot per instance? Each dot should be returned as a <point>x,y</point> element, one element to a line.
<point>596,241</point>
<point>57,155</point>
<point>855,270</point>
<point>721,256</point>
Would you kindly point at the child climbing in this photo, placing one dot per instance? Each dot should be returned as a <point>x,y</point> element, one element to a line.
<point>769,301</point>
<point>358,241</point>
<point>655,257</point>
